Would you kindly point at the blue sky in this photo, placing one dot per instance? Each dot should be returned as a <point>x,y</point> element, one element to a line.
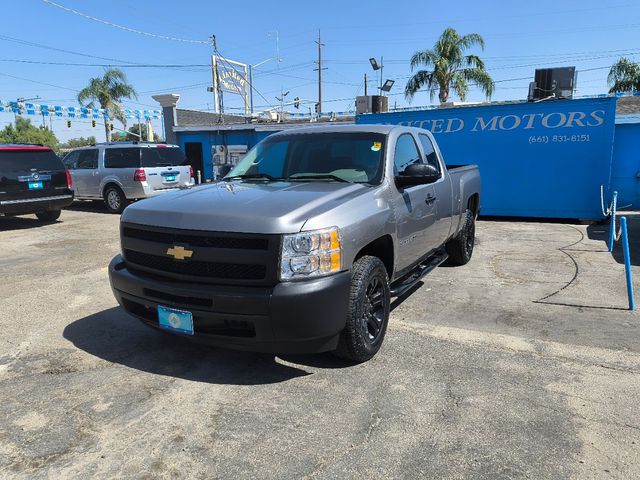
<point>519,36</point>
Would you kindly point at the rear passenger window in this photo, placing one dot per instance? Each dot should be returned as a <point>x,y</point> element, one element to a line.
<point>87,159</point>
<point>406,153</point>
<point>429,151</point>
<point>122,158</point>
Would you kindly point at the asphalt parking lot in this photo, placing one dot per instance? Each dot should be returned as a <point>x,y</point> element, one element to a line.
<point>522,364</point>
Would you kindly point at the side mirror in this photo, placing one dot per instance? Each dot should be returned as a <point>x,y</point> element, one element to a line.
<point>417,174</point>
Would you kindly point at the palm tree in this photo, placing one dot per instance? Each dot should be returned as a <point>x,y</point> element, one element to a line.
<point>108,91</point>
<point>624,76</point>
<point>452,69</point>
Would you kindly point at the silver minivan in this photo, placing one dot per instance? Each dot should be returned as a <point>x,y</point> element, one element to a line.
<point>120,172</point>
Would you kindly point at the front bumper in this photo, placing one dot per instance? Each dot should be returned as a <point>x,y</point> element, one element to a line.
<point>292,317</point>
<point>24,206</point>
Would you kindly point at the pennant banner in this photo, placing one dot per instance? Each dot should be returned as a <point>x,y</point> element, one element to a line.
<point>22,108</point>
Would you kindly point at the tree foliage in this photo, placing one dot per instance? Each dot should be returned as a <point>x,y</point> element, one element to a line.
<point>450,69</point>
<point>25,132</point>
<point>79,142</point>
<point>624,76</point>
<point>108,91</point>
<point>133,135</point>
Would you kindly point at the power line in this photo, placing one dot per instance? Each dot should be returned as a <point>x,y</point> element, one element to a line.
<point>122,27</point>
<point>137,65</point>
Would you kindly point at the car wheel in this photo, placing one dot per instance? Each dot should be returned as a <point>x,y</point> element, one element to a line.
<point>48,216</point>
<point>114,199</point>
<point>368,312</point>
<point>460,248</point>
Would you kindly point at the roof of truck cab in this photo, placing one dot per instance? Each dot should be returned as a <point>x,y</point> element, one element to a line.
<point>373,128</point>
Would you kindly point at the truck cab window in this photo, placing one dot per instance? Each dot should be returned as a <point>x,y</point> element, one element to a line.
<point>429,152</point>
<point>406,153</point>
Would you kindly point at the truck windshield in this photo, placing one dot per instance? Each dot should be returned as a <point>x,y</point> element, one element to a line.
<point>354,157</point>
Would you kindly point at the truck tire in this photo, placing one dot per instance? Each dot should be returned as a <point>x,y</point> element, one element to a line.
<point>114,199</point>
<point>368,312</point>
<point>48,216</point>
<point>460,248</point>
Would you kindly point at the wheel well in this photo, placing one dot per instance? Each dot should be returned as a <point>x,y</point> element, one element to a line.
<point>110,184</point>
<point>474,203</point>
<point>381,248</point>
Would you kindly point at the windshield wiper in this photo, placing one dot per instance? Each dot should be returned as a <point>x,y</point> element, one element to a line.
<point>259,176</point>
<point>324,176</point>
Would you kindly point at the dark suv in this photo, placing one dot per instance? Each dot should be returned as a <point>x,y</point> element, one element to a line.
<point>33,180</point>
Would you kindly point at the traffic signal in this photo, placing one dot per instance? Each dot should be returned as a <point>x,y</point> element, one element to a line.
<point>68,123</point>
<point>296,102</point>
<point>93,123</point>
<point>317,107</point>
<point>111,127</point>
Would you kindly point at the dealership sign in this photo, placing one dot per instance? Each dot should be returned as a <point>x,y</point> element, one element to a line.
<point>544,159</point>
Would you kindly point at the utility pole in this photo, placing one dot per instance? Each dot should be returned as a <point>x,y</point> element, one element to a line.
<point>320,68</point>
<point>365,84</point>
<point>217,91</point>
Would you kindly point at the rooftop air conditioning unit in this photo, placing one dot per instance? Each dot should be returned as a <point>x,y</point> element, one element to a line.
<point>556,83</point>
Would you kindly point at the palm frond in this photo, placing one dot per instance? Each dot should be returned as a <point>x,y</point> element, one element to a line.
<point>420,79</point>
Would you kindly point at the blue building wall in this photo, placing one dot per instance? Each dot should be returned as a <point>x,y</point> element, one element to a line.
<point>545,159</point>
<point>626,165</point>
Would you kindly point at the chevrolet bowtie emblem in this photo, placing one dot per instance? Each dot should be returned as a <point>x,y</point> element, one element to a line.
<point>178,252</point>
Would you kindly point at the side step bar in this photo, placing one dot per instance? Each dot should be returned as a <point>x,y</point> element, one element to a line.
<point>404,284</point>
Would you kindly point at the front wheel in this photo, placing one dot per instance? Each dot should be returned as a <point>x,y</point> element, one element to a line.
<point>368,312</point>
<point>460,248</point>
<point>48,216</point>
<point>114,199</point>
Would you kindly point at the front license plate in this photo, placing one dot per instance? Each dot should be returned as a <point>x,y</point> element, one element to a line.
<point>178,321</point>
<point>170,178</point>
<point>35,185</point>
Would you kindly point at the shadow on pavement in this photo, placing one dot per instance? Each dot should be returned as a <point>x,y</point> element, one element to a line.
<point>601,232</point>
<point>92,206</point>
<point>118,338</point>
<point>23,223</point>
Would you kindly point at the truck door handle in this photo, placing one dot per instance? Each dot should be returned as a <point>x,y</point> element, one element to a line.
<point>430,199</point>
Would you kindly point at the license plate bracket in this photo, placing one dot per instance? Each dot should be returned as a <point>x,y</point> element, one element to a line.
<point>172,319</point>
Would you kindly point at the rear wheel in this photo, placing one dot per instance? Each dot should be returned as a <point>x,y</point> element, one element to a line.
<point>48,216</point>
<point>368,313</point>
<point>114,199</point>
<point>460,248</point>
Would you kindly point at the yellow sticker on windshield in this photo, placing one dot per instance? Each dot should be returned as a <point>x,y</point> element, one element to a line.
<point>376,146</point>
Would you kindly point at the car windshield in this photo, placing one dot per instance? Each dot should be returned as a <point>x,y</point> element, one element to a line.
<point>354,157</point>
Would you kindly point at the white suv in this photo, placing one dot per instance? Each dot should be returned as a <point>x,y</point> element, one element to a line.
<point>121,171</point>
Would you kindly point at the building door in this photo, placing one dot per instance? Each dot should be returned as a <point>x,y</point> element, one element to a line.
<point>193,151</point>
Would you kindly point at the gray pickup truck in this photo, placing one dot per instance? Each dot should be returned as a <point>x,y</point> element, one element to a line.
<point>301,246</point>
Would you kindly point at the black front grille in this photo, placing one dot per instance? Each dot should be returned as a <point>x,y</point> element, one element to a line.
<point>215,270</point>
<point>194,239</point>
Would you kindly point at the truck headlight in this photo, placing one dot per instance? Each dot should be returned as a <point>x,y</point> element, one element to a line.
<point>311,254</point>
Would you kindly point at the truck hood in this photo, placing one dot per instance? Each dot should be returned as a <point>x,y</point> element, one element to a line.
<point>250,207</point>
